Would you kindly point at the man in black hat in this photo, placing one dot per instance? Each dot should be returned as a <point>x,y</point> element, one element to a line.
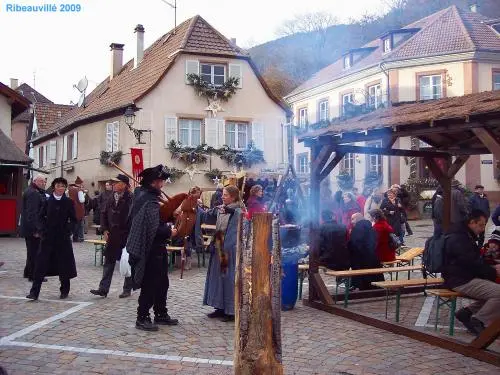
<point>146,247</point>
<point>114,225</point>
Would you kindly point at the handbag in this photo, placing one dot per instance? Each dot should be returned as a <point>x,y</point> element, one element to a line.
<point>394,242</point>
<point>125,269</point>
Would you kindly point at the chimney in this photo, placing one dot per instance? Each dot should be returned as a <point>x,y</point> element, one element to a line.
<point>14,83</point>
<point>116,58</point>
<point>233,41</point>
<point>139,29</point>
<point>474,8</point>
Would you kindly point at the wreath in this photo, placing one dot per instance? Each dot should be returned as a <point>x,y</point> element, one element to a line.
<point>209,91</point>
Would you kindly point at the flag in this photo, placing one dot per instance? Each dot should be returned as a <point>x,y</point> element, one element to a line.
<point>137,162</point>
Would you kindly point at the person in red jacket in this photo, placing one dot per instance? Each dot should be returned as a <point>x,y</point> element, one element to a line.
<point>254,202</point>
<point>383,249</point>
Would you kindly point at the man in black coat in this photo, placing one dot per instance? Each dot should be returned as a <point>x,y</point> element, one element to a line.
<point>146,247</point>
<point>479,201</point>
<point>465,271</point>
<point>333,252</point>
<point>33,198</point>
<point>114,225</point>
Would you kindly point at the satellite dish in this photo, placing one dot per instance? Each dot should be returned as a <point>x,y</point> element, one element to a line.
<point>81,101</point>
<point>82,85</point>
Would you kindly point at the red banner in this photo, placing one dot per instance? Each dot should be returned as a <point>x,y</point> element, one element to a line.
<point>137,162</point>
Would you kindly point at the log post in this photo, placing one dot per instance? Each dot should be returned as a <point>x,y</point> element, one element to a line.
<point>258,299</point>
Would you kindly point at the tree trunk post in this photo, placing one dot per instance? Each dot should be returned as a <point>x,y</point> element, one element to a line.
<point>258,298</point>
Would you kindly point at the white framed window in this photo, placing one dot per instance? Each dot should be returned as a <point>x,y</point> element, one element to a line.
<point>41,156</point>
<point>346,98</point>
<point>323,110</point>
<point>70,146</point>
<point>303,120</point>
<point>387,45</point>
<point>237,135</point>
<point>347,62</point>
<point>214,74</point>
<point>431,87</point>
<point>374,96</point>
<point>190,132</point>
<point>303,163</point>
<point>52,151</point>
<point>113,136</point>
<point>496,80</point>
<point>348,164</point>
<point>374,163</point>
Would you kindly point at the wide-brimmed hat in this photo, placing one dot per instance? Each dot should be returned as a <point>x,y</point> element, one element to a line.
<point>78,180</point>
<point>155,173</point>
<point>121,178</point>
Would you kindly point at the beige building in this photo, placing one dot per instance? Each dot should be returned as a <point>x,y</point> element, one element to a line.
<point>154,84</point>
<point>450,53</point>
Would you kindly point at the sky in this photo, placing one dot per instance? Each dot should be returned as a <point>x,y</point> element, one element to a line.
<point>53,51</point>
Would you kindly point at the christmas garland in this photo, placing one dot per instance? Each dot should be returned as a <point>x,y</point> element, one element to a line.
<point>175,173</point>
<point>189,155</point>
<point>109,156</point>
<point>213,173</point>
<point>212,92</point>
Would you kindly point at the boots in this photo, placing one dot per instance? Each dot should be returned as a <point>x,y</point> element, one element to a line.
<point>188,263</point>
<point>144,323</point>
<point>165,319</point>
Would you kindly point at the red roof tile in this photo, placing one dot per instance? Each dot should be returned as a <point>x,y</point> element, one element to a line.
<point>33,96</point>
<point>48,114</point>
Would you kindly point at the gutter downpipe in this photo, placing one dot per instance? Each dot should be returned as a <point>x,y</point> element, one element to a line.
<point>384,70</point>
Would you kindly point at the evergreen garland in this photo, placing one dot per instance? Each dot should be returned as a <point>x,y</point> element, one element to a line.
<point>189,155</point>
<point>175,173</point>
<point>107,156</point>
<point>209,91</point>
<point>213,173</point>
<point>345,181</point>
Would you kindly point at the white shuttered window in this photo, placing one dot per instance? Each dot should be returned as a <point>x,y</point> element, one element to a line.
<point>170,130</point>
<point>235,70</point>
<point>65,148</point>
<point>258,135</point>
<point>214,132</point>
<point>53,151</point>
<point>112,136</point>
<point>74,150</point>
<point>192,67</point>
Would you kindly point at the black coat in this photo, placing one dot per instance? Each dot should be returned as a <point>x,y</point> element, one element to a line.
<point>462,259</point>
<point>395,219</point>
<point>478,202</point>
<point>114,219</point>
<point>333,252</point>
<point>33,199</point>
<point>57,220</point>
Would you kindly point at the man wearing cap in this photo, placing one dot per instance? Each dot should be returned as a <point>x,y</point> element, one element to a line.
<point>114,225</point>
<point>76,194</point>
<point>479,201</point>
<point>146,247</point>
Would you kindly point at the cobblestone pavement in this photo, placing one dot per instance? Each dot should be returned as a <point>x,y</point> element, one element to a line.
<point>91,335</point>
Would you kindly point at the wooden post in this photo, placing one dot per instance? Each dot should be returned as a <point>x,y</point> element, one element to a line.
<point>257,299</point>
<point>445,182</point>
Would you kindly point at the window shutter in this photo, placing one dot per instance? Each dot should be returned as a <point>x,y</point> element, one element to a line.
<point>36,154</point>
<point>45,155</point>
<point>211,132</point>
<point>258,135</point>
<point>53,151</point>
<point>65,148</point>
<point>192,67</point>
<point>75,145</point>
<point>170,130</point>
<point>221,133</point>
<point>109,137</point>
<point>116,136</point>
<point>235,70</point>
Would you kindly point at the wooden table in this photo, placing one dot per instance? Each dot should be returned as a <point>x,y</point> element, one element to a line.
<point>98,247</point>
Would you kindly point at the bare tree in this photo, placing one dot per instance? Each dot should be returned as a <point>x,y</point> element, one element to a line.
<point>307,22</point>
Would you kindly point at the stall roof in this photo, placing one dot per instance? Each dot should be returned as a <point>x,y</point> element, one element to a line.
<point>10,153</point>
<point>445,124</point>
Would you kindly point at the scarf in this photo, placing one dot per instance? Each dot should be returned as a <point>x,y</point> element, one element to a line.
<point>223,218</point>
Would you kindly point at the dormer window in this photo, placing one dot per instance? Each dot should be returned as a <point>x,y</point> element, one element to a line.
<point>387,45</point>
<point>347,61</point>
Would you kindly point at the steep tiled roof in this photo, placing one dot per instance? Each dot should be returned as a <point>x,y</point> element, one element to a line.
<point>18,102</point>
<point>48,114</point>
<point>33,96</point>
<point>9,152</point>
<point>448,31</point>
<point>194,35</point>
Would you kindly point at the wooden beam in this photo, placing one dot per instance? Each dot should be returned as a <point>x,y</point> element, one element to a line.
<point>320,288</point>
<point>487,337</point>
<point>457,164</point>
<point>333,163</point>
<point>392,152</point>
<point>491,142</point>
<point>388,142</point>
<point>319,162</point>
<point>398,329</point>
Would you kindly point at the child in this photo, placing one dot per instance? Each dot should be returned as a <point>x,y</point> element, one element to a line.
<point>491,251</point>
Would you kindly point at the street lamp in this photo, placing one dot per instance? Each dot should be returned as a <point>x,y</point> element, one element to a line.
<point>130,120</point>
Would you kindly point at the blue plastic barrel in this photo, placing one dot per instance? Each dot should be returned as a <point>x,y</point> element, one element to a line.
<point>289,280</point>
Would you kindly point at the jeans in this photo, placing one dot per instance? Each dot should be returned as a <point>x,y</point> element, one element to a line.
<point>487,308</point>
<point>107,276</point>
<point>78,231</point>
<point>32,246</point>
<point>154,286</point>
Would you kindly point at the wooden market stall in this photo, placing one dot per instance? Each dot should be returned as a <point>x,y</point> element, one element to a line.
<point>455,128</point>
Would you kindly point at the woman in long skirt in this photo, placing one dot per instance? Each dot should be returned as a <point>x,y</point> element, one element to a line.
<point>219,286</point>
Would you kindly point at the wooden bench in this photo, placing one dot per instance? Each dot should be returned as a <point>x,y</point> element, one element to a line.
<point>407,258</point>
<point>446,297</point>
<point>399,285</point>
<point>348,274</point>
<point>98,248</point>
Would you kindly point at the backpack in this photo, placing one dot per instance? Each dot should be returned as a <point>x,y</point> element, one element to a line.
<point>394,242</point>
<point>433,256</point>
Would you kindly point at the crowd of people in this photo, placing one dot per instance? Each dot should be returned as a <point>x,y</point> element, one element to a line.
<point>52,220</point>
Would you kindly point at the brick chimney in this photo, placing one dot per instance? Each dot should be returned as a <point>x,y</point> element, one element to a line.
<point>14,83</point>
<point>139,29</point>
<point>474,7</point>
<point>116,59</point>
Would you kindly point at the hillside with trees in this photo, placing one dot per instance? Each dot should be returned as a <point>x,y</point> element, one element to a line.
<point>309,42</point>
